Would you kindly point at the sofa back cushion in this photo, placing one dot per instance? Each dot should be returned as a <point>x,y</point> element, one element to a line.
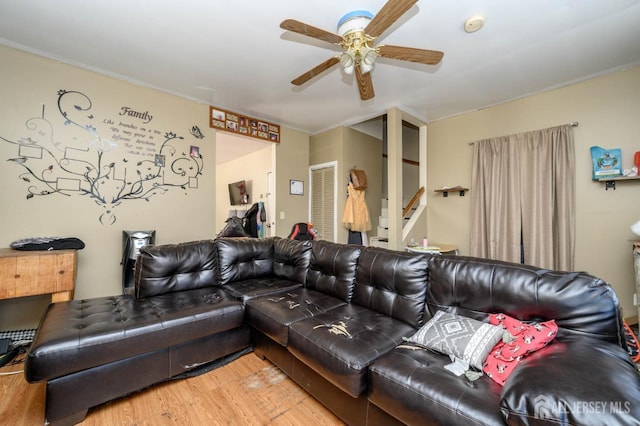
<point>244,258</point>
<point>581,304</point>
<point>291,259</point>
<point>333,269</point>
<point>393,283</point>
<point>169,268</point>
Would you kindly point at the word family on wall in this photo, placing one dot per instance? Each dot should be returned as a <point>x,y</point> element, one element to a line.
<point>115,159</point>
<point>133,137</point>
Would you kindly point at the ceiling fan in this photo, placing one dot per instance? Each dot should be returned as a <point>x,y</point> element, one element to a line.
<point>357,32</point>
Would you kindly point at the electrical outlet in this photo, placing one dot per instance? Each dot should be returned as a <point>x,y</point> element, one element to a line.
<point>635,299</point>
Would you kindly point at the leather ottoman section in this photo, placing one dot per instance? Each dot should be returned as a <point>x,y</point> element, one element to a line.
<point>412,384</point>
<point>341,343</point>
<point>81,334</point>
<point>272,315</point>
<point>255,287</point>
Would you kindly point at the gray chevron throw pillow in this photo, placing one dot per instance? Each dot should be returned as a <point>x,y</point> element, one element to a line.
<point>464,338</point>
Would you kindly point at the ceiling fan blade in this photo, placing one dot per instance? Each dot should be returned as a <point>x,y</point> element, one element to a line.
<point>421,56</point>
<point>389,14</point>
<point>365,86</point>
<point>310,31</point>
<point>315,71</point>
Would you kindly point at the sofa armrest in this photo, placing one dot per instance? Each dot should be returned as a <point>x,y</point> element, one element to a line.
<point>575,380</point>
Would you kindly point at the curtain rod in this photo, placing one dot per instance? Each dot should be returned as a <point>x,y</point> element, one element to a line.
<point>572,124</point>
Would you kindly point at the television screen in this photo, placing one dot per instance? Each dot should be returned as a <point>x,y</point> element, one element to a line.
<point>238,193</point>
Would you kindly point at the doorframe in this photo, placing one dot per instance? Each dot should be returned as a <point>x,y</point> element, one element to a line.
<point>313,167</point>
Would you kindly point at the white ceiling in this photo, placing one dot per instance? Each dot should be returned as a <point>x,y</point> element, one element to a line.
<point>234,55</point>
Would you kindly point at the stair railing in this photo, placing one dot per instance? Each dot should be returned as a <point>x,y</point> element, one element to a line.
<point>413,202</point>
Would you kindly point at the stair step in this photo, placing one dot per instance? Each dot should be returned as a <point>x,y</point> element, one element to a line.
<point>377,242</point>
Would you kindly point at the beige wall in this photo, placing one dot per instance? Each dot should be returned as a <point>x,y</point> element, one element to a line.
<point>607,110</point>
<point>292,162</point>
<point>253,169</point>
<point>30,83</point>
<point>350,148</point>
<point>606,107</point>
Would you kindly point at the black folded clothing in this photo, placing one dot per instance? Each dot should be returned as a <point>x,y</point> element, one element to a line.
<point>48,243</point>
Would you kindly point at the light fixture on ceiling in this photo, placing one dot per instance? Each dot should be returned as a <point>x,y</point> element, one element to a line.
<point>473,24</point>
<point>356,44</point>
<point>348,61</point>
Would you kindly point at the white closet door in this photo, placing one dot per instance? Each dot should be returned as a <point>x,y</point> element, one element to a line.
<point>323,201</point>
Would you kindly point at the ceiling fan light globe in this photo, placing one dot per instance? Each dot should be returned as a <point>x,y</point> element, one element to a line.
<point>369,56</point>
<point>348,70</point>
<point>365,67</point>
<point>346,59</point>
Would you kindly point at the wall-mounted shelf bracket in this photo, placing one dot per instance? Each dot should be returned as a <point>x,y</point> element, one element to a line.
<point>610,182</point>
<point>445,191</point>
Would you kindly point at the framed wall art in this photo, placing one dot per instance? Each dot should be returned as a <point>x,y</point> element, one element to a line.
<point>296,187</point>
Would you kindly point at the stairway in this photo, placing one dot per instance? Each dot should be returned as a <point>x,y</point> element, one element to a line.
<point>382,237</point>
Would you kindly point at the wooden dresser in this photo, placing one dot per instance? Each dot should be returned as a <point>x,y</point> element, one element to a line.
<point>29,273</point>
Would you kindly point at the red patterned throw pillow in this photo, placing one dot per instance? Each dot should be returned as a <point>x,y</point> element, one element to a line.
<point>527,338</point>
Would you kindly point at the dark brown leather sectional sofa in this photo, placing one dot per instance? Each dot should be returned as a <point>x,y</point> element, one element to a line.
<point>334,317</point>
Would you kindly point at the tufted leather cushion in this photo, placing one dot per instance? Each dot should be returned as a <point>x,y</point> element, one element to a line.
<point>333,268</point>
<point>81,334</point>
<point>412,384</point>
<point>341,343</point>
<point>246,290</point>
<point>475,287</point>
<point>393,283</point>
<point>291,259</point>
<point>273,314</point>
<point>174,267</point>
<point>244,258</point>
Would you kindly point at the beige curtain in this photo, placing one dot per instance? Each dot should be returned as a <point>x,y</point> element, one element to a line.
<point>523,192</point>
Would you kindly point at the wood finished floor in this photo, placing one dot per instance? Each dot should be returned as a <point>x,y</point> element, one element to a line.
<point>248,391</point>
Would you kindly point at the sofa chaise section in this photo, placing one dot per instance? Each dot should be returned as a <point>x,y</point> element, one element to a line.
<point>91,351</point>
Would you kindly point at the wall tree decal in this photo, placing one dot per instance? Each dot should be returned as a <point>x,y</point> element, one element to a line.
<point>86,166</point>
